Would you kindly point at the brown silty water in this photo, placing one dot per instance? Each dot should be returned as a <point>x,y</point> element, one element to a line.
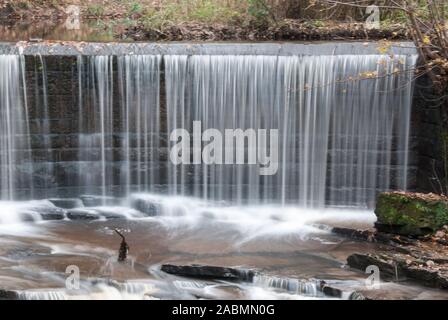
<point>37,262</point>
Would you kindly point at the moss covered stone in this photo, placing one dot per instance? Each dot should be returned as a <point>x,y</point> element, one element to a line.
<point>411,214</point>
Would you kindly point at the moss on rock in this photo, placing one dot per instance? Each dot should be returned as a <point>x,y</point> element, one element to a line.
<point>412,214</point>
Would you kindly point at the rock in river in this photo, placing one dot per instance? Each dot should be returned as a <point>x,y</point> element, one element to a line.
<point>210,272</point>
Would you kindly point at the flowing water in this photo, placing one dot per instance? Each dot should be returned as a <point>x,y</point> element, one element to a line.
<point>336,133</point>
<point>343,126</point>
<point>340,139</point>
<point>15,161</point>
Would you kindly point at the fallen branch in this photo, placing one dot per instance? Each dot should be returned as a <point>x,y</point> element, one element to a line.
<point>124,248</point>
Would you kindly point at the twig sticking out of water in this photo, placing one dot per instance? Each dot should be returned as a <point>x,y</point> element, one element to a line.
<point>124,248</point>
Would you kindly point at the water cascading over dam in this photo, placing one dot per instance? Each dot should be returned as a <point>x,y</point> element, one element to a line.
<point>15,159</point>
<point>343,122</point>
<point>335,132</point>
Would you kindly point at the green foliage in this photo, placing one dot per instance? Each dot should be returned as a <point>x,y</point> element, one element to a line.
<point>259,10</point>
<point>414,216</point>
<point>95,10</point>
<point>210,11</point>
<point>21,5</point>
<point>134,8</point>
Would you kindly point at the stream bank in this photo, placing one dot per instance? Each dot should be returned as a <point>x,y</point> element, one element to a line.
<point>108,30</point>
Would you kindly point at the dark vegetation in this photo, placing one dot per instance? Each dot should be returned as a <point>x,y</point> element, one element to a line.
<point>124,247</point>
<point>216,19</point>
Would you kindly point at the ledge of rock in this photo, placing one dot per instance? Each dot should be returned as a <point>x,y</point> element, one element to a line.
<point>398,267</point>
<point>411,214</point>
<point>96,201</point>
<point>81,214</point>
<point>51,213</point>
<point>422,260</point>
<point>210,272</point>
<point>8,295</point>
<point>373,236</point>
<point>66,203</point>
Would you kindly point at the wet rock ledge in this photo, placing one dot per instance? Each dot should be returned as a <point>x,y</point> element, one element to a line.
<point>414,230</point>
<point>209,272</point>
<point>306,287</point>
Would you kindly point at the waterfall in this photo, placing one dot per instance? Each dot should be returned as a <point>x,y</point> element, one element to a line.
<point>118,132</point>
<point>45,171</point>
<point>336,131</point>
<point>343,124</point>
<point>140,121</point>
<point>15,158</point>
<point>96,124</point>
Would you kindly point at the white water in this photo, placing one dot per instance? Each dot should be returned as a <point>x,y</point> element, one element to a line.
<point>140,120</point>
<point>256,221</point>
<point>14,213</point>
<point>95,123</point>
<point>336,133</point>
<point>42,108</point>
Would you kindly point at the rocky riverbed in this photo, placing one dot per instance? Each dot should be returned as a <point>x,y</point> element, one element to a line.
<point>413,234</point>
<point>287,254</point>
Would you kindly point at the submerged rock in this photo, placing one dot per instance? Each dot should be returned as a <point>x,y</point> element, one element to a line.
<point>81,214</point>
<point>96,201</point>
<point>67,203</point>
<point>147,207</point>
<point>51,213</point>
<point>411,214</point>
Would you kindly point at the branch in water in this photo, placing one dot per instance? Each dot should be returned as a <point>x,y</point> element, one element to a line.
<point>124,248</point>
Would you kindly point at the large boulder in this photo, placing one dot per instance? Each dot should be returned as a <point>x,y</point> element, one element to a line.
<point>146,206</point>
<point>411,214</point>
<point>67,203</point>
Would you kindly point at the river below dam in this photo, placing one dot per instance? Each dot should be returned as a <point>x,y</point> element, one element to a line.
<point>290,248</point>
